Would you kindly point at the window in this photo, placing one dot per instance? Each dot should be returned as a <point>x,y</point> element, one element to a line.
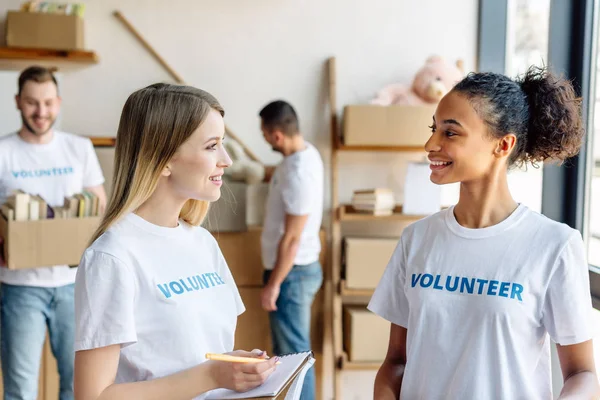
<point>593,208</point>
<point>526,44</point>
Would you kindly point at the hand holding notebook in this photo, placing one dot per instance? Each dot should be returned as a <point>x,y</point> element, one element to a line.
<point>288,375</point>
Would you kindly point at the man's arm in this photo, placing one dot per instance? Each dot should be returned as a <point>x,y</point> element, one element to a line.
<point>288,247</point>
<point>579,373</point>
<point>101,193</point>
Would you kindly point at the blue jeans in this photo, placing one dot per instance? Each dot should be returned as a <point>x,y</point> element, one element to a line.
<point>25,311</point>
<point>290,324</point>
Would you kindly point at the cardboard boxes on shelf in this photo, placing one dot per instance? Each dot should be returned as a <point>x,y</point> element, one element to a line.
<point>366,335</point>
<point>366,259</point>
<point>44,31</point>
<point>373,125</point>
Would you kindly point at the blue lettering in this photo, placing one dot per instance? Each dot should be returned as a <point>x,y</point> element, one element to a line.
<point>516,291</point>
<point>164,290</point>
<point>504,289</point>
<point>202,281</point>
<point>187,289</point>
<point>209,275</point>
<point>464,284</point>
<point>415,279</point>
<point>482,283</point>
<point>221,281</point>
<point>451,288</point>
<point>426,285</point>
<point>492,288</point>
<point>194,282</point>
<point>176,287</point>
<point>467,285</point>
<point>38,173</point>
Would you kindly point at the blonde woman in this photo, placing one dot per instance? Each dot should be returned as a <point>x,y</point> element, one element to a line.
<point>153,293</point>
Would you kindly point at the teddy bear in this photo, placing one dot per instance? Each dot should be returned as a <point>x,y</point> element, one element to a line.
<point>243,168</point>
<point>431,82</point>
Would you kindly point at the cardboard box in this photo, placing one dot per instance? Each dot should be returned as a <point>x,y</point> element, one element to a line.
<point>366,335</point>
<point>253,330</point>
<point>30,244</point>
<point>44,31</point>
<point>366,259</point>
<point>243,255</point>
<point>387,125</point>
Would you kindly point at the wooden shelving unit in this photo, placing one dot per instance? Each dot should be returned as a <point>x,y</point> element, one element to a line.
<point>336,293</point>
<point>18,58</point>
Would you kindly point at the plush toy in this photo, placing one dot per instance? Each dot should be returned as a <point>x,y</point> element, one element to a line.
<point>243,168</point>
<point>429,85</point>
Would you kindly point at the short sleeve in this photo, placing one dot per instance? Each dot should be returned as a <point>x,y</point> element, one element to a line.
<point>567,308</point>
<point>389,300</point>
<point>92,172</point>
<point>296,193</point>
<point>225,272</point>
<point>104,302</point>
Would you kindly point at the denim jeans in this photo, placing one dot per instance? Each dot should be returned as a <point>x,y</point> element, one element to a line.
<point>290,323</point>
<point>25,311</point>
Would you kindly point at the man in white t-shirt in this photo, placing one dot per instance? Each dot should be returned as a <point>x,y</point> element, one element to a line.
<point>41,161</point>
<point>290,238</point>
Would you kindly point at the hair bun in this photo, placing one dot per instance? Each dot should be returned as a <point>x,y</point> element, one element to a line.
<point>555,130</point>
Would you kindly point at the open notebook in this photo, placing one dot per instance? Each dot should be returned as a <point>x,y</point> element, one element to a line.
<point>288,377</point>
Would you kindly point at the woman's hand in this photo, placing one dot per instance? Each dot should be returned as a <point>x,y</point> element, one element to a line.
<point>242,377</point>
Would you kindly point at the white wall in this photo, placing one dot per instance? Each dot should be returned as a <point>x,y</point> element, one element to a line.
<point>248,53</point>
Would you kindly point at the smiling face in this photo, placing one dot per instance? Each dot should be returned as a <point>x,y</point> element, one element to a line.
<point>460,147</point>
<point>39,105</point>
<point>196,169</point>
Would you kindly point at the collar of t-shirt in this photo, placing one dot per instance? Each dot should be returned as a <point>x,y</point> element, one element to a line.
<point>149,227</point>
<point>35,147</point>
<point>480,233</point>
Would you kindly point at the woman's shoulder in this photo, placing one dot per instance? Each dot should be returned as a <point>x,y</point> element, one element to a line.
<point>549,230</point>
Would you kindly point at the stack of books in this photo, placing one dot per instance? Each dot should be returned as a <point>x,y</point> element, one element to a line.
<point>379,201</point>
<point>21,206</point>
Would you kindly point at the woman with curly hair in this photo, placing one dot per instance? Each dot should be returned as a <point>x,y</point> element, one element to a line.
<point>475,292</point>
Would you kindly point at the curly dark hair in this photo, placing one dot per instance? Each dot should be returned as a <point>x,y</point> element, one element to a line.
<point>540,109</point>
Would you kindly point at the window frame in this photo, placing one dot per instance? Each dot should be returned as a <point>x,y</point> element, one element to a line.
<point>572,53</point>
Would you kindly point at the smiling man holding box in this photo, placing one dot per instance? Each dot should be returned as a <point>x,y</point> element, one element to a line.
<point>39,160</point>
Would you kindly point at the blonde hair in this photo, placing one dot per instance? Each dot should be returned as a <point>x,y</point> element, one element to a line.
<point>155,121</point>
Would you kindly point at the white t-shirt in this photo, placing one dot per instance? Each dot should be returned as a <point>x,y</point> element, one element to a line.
<point>166,295</point>
<point>296,188</point>
<point>478,304</point>
<point>54,171</point>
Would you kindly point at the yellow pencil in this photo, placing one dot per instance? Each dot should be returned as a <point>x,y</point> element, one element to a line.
<point>228,358</point>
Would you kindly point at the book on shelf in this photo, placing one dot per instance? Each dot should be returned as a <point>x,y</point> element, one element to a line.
<point>379,201</point>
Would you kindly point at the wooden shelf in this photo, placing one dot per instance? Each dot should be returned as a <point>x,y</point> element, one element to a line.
<point>357,366</point>
<point>347,213</point>
<point>414,149</point>
<point>345,292</point>
<point>103,141</point>
<point>17,58</point>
